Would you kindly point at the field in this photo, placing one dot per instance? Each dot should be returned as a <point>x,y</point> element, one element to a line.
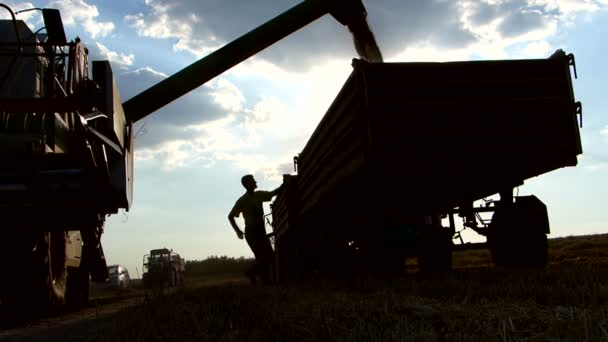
<point>566,302</point>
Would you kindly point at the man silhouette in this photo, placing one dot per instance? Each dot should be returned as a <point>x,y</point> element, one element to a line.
<point>250,204</point>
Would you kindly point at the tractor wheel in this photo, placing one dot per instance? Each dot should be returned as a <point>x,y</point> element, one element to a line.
<point>517,234</point>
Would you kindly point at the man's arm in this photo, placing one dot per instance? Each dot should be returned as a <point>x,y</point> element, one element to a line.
<point>236,228</point>
<point>266,196</point>
<point>235,213</point>
<point>276,191</point>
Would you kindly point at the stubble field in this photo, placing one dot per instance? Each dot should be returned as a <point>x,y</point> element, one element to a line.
<point>566,302</point>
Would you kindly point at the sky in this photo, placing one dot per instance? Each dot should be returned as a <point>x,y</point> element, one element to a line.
<point>254,118</point>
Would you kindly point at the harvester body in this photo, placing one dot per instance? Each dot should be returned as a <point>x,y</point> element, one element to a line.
<point>66,155</point>
<point>66,144</point>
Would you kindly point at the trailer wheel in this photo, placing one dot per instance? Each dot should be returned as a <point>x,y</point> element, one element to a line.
<point>435,250</point>
<point>518,234</point>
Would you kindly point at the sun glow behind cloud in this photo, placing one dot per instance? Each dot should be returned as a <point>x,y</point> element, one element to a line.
<point>259,119</point>
<point>250,130</point>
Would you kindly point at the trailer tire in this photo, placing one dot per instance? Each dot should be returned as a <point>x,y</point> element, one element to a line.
<point>517,235</point>
<point>530,251</point>
<point>435,250</point>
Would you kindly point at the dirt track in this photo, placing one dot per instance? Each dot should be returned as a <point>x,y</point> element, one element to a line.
<point>75,326</point>
<point>88,324</point>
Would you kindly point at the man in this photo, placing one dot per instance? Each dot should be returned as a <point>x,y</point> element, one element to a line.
<point>250,204</point>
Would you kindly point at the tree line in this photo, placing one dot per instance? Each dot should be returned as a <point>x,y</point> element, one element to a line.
<point>218,265</point>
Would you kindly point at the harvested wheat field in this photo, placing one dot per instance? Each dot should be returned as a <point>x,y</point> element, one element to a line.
<point>566,302</point>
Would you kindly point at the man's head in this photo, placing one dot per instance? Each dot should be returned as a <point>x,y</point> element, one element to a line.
<point>249,182</point>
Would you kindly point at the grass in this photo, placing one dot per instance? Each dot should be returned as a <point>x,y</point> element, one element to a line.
<point>566,302</point>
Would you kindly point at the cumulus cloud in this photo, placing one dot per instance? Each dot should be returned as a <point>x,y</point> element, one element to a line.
<point>31,18</point>
<point>227,95</point>
<point>80,12</point>
<point>171,122</point>
<point>270,104</point>
<point>254,134</point>
<point>604,132</point>
<point>593,162</point>
<point>119,59</point>
<point>485,27</point>
<point>161,25</point>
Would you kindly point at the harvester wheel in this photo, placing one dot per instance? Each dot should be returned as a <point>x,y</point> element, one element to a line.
<point>78,283</point>
<point>77,287</point>
<point>53,274</point>
<point>40,275</point>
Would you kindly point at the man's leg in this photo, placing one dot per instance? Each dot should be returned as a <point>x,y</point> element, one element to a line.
<point>266,260</point>
<point>261,248</point>
<point>252,272</point>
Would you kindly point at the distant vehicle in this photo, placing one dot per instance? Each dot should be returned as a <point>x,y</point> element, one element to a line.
<point>118,277</point>
<point>163,267</point>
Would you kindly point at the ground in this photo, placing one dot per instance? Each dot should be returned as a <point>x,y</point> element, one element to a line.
<point>566,302</point>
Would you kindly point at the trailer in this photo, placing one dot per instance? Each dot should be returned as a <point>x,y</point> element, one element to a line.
<point>405,147</point>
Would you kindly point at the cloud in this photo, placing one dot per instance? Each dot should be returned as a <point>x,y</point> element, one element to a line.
<point>201,27</point>
<point>227,95</point>
<point>604,134</point>
<point>206,103</point>
<point>593,162</point>
<point>116,58</point>
<point>180,29</point>
<point>31,18</point>
<point>270,104</point>
<point>486,25</point>
<point>256,134</point>
<point>80,12</point>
